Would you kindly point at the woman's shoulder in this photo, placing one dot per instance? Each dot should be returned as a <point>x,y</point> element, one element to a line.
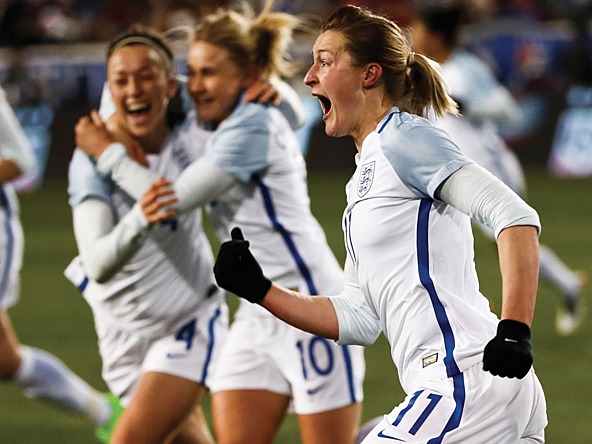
<point>407,134</point>
<point>401,124</point>
<point>247,114</point>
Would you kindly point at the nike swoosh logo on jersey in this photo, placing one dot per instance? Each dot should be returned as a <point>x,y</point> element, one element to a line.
<point>316,389</point>
<point>510,340</point>
<point>175,355</point>
<point>382,435</point>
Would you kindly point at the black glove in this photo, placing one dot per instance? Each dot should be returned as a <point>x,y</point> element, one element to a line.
<point>509,354</point>
<point>236,269</point>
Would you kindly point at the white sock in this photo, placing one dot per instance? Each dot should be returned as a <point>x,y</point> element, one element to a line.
<point>557,273</point>
<point>44,376</point>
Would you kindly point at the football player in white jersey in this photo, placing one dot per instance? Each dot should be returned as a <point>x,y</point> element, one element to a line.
<point>40,373</point>
<point>410,269</point>
<point>484,104</point>
<point>253,174</point>
<point>159,316</point>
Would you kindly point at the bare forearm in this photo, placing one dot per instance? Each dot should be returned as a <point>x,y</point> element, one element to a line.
<point>314,314</point>
<point>518,249</point>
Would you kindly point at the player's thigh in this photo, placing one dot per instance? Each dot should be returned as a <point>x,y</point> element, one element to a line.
<point>194,430</point>
<point>338,426</point>
<point>248,416</point>
<point>159,406</point>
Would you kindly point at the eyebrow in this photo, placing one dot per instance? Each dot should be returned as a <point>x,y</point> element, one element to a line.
<point>323,51</point>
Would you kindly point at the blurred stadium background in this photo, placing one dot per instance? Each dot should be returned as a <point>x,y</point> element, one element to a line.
<point>51,65</point>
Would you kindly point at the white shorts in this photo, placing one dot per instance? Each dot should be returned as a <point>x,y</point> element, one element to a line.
<point>11,255</point>
<point>264,353</point>
<point>190,351</point>
<point>475,407</point>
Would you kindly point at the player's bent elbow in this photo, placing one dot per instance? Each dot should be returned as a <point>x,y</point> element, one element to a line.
<point>96,272</point>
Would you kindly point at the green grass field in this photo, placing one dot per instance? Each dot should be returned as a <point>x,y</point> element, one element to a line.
<point>51,315</point>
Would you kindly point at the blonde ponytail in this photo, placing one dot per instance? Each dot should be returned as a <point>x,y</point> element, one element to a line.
<point>411,80</point>
<point>260,41</point>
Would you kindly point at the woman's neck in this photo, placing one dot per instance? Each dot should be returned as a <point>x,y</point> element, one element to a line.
<point>154,143</point>
<point>373,112</point>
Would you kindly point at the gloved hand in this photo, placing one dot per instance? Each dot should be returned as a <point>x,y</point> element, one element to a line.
<point>509,354</point>
<point>236,269</point>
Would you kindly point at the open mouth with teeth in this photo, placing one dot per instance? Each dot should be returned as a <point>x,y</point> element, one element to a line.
<point>138,109</point>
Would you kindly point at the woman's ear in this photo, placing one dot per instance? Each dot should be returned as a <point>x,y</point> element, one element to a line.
<point>372,75</point>
<point>171,87</point>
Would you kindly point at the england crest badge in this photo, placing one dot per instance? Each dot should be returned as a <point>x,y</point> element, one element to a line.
<point>366,178</point>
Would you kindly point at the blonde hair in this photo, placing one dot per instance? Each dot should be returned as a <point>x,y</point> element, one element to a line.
<point>260,41</point>
<point>411,80</point>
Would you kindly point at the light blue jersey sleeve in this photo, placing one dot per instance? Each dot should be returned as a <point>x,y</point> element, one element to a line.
<point>422,155</point>
<point>84,181</point>
<point>240,145</point>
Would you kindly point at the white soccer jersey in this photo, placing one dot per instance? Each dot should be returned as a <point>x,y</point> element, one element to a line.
<point>413,255</point>
<point>171,274</point>
<point>259,158</point>
<point>14,146</point>
<point>253,176</point>
<point>270,203</point>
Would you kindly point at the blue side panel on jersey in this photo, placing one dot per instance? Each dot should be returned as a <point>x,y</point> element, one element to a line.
<point>350,374</point>
<point>9,243</point>
<point>454,420</point>
<point>426,280</point>
<point>212,335</point>
<point>452,369</point>
<point>269,208</point>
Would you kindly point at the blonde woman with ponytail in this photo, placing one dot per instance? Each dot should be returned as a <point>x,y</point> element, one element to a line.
<point>409,271</point>
<point>266,366</point>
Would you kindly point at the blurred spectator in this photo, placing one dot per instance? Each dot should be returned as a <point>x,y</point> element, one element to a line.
<point>20,25</point>
<point>117,15</point>
<point>167,14</point>
<point>63,21</point>
<point>571,152</point>
<point>533,10</point>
